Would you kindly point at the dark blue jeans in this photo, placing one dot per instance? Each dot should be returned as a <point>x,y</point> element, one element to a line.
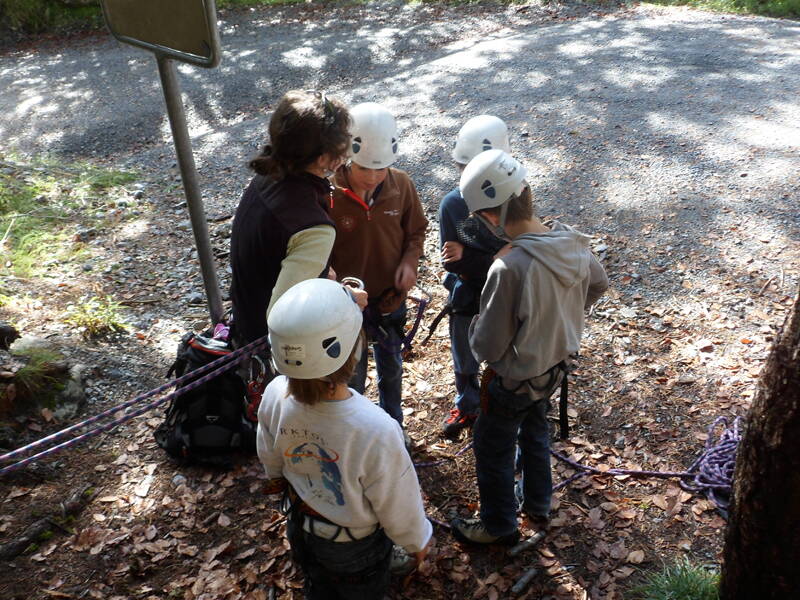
<point>389,365</point>
<point>465,366</point>
<point>341,570</point>
<point>511,419</point>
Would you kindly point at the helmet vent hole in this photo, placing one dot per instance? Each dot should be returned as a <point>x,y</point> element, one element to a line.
<point>488,189</point>
<point>334,350</point>
<point>356,144</point>
<point>328,341</point>
<point>487,144</point>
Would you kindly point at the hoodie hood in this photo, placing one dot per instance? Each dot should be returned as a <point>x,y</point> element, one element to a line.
<point>562,251</point>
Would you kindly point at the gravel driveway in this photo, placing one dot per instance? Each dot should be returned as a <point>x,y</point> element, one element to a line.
<point>665,125</point>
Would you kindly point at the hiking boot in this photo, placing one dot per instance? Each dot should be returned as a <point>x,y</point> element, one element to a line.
<point>401,563</point>
<point>407,441</point>
<point>473,530</point>
<point>456,421</point>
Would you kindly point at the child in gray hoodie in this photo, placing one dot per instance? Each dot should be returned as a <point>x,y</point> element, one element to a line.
<point>531,318</point>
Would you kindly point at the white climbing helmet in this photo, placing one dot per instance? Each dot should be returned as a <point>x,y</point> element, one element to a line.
<point>374,136</point>
<point>313,328</point>
<point>481,133</point>
<point>489,180</point>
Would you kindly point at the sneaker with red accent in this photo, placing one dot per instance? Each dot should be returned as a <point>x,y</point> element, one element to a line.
<point>456,421</point>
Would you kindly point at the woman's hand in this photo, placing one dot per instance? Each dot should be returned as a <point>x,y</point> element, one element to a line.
<point>452,251</point>
<point>360,296</point>
<point>405,277</point>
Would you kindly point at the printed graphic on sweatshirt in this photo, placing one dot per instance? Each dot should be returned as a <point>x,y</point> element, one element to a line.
<point>318,463</point>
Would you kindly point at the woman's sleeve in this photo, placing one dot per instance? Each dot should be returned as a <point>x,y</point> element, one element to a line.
<point>306,256</point>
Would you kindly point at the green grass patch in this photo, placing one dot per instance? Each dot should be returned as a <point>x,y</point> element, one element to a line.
<point>680,580</point>
<point>768,8</point>
<point>40,203</point>
<point>96,316</point>
<point>38,377</point>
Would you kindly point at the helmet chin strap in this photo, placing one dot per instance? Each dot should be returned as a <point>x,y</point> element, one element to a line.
<point>500,229</point>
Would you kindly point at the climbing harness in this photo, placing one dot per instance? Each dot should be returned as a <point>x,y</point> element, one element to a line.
<point>377,327</point>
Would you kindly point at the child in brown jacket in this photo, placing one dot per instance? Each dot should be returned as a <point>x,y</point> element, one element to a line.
<point>380,230</point>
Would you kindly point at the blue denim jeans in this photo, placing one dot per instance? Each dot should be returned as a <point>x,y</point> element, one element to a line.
<point>510,419</point>
<point>389,366</point>
<point>356,570</point>
<point>465,366</point>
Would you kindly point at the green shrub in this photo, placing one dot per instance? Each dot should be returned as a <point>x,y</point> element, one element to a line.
<point>37,16</point>
<point>96,317</point>
<point>769,8</point>
<point>678,581</point>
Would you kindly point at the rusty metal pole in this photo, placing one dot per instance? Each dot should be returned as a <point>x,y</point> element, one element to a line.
<point>194,200</point>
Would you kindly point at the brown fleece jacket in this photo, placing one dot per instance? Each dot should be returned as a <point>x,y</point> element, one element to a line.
<point>372,242</point>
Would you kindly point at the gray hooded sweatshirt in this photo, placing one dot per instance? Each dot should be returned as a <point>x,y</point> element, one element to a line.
<point>532,306</point>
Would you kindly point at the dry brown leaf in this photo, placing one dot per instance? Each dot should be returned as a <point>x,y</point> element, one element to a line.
<point>223,520</point>
<point>16,492</point>
<point>659,501</point>
<point>623,572</point>
<point>636,557</point>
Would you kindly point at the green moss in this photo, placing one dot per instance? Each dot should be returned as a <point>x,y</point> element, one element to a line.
<point>46,535</point>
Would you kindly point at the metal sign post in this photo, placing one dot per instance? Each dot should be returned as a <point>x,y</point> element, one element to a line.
<point>184,30</point>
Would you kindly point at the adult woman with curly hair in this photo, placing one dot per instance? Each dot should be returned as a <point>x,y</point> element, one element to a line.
<point>282,233</point>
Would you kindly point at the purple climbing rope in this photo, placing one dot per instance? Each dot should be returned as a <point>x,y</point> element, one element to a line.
<point>189,381</point>
<point>711,473</point>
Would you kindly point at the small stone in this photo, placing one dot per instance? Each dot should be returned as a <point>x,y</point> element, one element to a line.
<point>196,298</point>
<point>138,195</point>
<point>179,480</point>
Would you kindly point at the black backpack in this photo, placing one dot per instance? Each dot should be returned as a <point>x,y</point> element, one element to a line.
<point>210,423</point>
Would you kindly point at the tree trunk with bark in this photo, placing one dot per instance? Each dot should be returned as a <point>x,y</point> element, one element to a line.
<point>762,543</point>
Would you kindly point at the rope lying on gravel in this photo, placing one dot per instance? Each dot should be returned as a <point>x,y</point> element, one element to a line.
<point>711,473</point>
<point>189,381</point>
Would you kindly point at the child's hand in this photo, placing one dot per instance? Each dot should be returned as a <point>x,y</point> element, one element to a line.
<point>332,274</point>
<point>452,251</point>
<point>405,277</point>
<point>360,296</point>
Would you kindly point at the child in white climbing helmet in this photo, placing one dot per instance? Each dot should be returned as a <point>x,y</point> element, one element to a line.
<point>380,231</point>
<point>342,456</point>
<point>468,249</point>
<point>531,319</point>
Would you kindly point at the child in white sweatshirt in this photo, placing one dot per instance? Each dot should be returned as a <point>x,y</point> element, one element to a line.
<point>351,484</point>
